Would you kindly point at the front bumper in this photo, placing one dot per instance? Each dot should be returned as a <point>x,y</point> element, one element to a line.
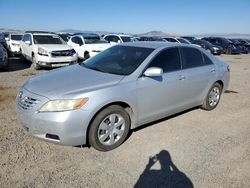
<point>50,62</point>
<point>65,128</point>
<point>15,49</point>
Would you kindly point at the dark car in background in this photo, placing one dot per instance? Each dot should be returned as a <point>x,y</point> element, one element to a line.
<point>2,39</point>
<point>146,38</point>
<point>240,46</point>
<point>3,57</point>
<point>214,49</point>
<point>245,42</point>
<point>227,45</point>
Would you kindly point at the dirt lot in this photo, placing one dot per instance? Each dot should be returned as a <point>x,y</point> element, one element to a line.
<point>195,149</point>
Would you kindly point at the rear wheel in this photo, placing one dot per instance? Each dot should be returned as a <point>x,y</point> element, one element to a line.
<point>228,51</point>
<point>213,97</point>
<point>109,129</point>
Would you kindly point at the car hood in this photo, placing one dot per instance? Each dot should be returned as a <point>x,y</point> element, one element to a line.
<point>70,81</point>
<point>54,47</point>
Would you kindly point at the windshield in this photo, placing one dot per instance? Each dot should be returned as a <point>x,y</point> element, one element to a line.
<point>16,37</point>
<point>93,40</point>
<point>48,39</point>
<point>184,41</point>
<point>206,43</point>
<point>121,60</point>
<point>226,41</point>
<point>65,37</point>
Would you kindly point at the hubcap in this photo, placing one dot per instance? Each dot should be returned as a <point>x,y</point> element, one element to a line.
<point>214,96</point>
<point>111,129</point>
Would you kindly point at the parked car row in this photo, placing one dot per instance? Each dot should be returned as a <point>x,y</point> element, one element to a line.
<point>50,49</point>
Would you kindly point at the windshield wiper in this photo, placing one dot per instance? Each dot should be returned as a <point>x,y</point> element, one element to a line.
<point>93,68</point>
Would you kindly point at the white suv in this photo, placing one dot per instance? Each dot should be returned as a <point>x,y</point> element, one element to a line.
<point>87,44</point>
<point>47,50</point>
<point>13,43</point>
<point>119,38</point>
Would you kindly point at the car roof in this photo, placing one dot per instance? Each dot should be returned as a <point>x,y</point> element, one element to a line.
<point>154,44</point>
<point>45,34</point>
<point>121,35</point>
<point>86,34</point>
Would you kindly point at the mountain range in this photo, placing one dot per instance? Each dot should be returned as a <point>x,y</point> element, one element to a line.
<point>150,33</point>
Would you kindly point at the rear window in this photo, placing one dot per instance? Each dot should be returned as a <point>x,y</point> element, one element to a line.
<point>192,58</point>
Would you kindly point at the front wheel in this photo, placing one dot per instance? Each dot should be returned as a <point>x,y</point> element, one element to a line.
<point>213,97</point>
<point>34,64</point>
<point>109,129</point>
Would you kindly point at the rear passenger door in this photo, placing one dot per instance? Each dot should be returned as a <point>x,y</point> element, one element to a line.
<point>199,74</point>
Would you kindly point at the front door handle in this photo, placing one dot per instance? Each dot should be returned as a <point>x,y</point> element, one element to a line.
<point>181,77</point>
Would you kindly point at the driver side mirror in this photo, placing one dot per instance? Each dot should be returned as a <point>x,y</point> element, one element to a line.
<point>153,72</point>
<point>27,42</point>
<point>119,41</point>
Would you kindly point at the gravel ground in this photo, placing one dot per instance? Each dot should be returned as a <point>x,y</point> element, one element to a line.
<point>193,149</point>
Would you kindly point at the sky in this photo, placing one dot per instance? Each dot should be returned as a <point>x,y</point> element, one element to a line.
<point>128,16</point>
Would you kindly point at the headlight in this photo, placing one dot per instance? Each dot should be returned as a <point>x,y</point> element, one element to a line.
<point>43,52</point>
<point>63,105</point>
<point>215,48</point>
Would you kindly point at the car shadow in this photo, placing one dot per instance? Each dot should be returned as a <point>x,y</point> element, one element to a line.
<point>161,120</point>
<point>167,176</point>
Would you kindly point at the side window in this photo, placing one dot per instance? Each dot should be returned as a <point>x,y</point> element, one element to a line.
<point>173,40</point>
<point>207,60</point>
<point>212,40</point>
<point>25,38</point>
<point>168,60</point>
<point>29,39</point>
<point>108,38</point>
<point>192,58</point>
<point>77,40</point>
<point>115,39</point>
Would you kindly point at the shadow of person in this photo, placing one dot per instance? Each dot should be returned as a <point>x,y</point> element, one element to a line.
<point>169,176</point>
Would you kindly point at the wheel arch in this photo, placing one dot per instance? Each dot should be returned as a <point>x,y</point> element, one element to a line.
<point>124,105</point>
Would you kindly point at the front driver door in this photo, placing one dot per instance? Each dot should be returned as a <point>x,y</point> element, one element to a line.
<point>161,96</point>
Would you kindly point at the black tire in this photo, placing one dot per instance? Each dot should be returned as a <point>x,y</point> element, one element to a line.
<point>34,64</point>
<point>101,117</point>
<point>208,104</point>
<point>86,55</point>
<point>228,51</point>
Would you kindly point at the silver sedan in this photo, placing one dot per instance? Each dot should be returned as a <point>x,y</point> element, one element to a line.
<point>121,88</point>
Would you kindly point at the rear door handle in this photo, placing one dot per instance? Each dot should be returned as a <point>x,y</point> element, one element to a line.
<point>212,70</point>
<point>181,77</point>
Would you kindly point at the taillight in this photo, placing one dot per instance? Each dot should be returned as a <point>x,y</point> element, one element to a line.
<point>228,68</point>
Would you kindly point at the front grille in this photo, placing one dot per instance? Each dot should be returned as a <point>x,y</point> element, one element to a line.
<point>27,103</point>
<point>62,53</point>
